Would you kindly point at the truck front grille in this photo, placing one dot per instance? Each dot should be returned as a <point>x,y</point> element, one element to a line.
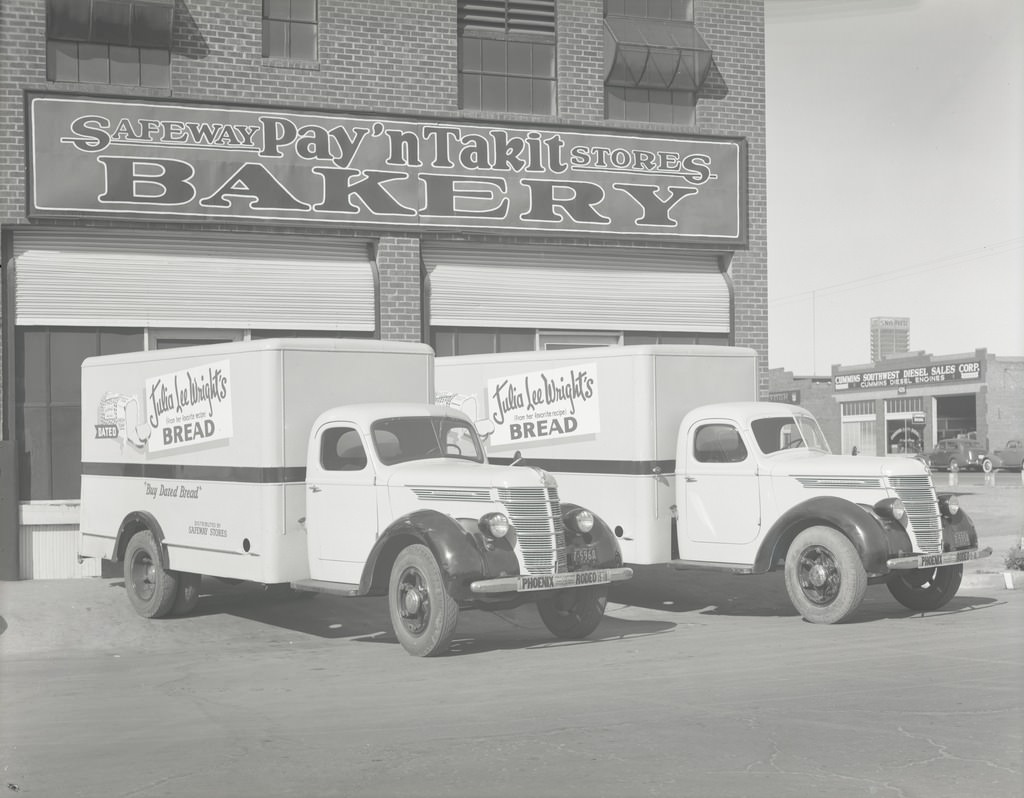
<point>918,495</point>
<point>536,513</point>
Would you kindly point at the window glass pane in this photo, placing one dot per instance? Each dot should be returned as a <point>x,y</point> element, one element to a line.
<point>116,342</point>
<point>68,348</point>
<point>275,39</point>
<point>65,452</point>
<point>634,8</point>
<point>661,106</point>
<point>544,60</point>
<point>277,9</point>
<point>124,65</point>
<point>520,96</point>
<point>492,93</point>
<point>471,92</point>
<point>155,68</point>
<point>615,102</point>
<point>34,466</point>
<point>471,54</point>
<point>614,7</point>
<point>111,22</point>
<point>32,379</point>
<point>304,10</point>
<point>93,66</point>
<point>67,19</point>
<point>303,41</point>
<point>493,55</point>
<point>62,61</point>
<point>444,344</point>
<point>637,105</point>
<point>151,25</point>
<point>476,343</point>
<point>519,58</point>
<point>544,97</point>
<point>516,341</point>
<point>659,9</point>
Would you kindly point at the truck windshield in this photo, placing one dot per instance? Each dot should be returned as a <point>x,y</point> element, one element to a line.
<point>399,440</point>
<point>788,432</point>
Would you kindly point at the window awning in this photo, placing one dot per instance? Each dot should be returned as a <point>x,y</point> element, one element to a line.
<point>654,54</point>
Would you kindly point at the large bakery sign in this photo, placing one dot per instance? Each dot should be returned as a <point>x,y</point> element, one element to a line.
<point>118,158</point>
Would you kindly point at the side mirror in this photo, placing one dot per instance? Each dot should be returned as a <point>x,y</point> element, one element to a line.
<point>484,427</point>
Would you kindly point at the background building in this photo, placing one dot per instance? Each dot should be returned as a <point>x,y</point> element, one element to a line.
<point>890,335</point>
<point>480,176</point>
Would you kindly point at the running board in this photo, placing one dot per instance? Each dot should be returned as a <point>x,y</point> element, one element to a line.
<point>727,567</point>
<point>320,586</point>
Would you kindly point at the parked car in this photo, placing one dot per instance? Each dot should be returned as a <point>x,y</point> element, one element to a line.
<point>1012,456</point>
<point>958,454</point>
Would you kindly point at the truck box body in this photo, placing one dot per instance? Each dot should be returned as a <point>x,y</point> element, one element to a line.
<point>213,440</point>
<point>603,420</point>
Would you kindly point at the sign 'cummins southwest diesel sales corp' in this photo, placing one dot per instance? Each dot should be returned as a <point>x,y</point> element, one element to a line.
<point>130,158</point>
<point>917,375</point>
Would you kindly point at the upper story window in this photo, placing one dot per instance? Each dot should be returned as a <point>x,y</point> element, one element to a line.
<point>117,42</point>
<point>507,56</point>
<point>290,29</point>
<point>655,61</point>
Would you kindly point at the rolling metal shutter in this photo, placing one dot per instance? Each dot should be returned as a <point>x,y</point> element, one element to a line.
<point>576,288</point>
<point>134,278</point>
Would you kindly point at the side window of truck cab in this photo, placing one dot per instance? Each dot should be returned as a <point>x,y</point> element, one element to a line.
<point>718,443</point>
<point>341,449</point>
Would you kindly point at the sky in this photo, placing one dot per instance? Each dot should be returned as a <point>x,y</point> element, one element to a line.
<point>895,146</point>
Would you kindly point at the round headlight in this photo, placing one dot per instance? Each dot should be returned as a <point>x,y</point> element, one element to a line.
<point>949,505</point>
<point>583,521</point>
<point>496,524</point>
<point>899,510</point>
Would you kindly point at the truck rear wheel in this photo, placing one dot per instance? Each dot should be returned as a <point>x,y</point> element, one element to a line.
<point>423,615</point>
<point>926,589</point>
<point>152,590</point>
<point>573,614</point>
<point>825,578</point>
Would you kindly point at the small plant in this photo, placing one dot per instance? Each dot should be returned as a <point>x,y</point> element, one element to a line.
<point>1015,559</point>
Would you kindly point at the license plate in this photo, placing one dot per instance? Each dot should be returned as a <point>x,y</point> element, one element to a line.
<point>556,581</point>
<point>585,557</point>
<point>937,559</point>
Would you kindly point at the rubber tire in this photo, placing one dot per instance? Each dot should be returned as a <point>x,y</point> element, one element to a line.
<point>926,589</point>
<point>843,566</point>
<point>188,593</point>
<point>142,567</point>
<point>573,614</point>
<point>987,466</point>
<point>954,466</point>
<point>429,633</point>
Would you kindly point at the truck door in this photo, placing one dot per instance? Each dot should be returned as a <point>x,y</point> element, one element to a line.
<point>721,490</point>
<point>341,504</point>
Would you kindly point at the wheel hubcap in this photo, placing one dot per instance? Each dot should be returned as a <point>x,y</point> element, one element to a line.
<point>143,575</point>
<point>819,575</point>
<point>413,601</point>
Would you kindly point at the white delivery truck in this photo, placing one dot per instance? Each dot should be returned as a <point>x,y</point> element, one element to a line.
<point>670,447</point>
<point>323,464</point>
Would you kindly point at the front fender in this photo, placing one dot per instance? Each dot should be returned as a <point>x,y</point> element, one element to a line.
<point>958,532</point>
<point>601,537</point>
<point>462,555</point>
<point>136,521</point>
<point>876,539</point>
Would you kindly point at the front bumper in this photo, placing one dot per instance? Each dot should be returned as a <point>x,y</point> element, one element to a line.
<point>527,583</point>
<point>937,560</point>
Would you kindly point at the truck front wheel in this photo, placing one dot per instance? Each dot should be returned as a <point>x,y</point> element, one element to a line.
<point>926,589</point>
<point>573,614</point>
<point>423,615</point>
<point>825,578</point>
<point>152,590</point>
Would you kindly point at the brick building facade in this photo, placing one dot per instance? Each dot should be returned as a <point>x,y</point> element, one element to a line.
<point>97,267</point>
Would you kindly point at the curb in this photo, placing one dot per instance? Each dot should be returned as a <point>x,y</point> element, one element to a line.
<point>1004,580</point>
